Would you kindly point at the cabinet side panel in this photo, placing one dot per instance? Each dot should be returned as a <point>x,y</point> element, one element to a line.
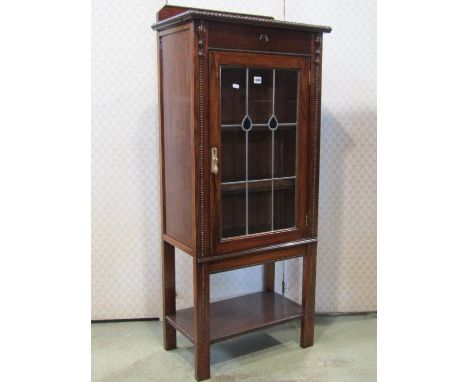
<point>178,142</point>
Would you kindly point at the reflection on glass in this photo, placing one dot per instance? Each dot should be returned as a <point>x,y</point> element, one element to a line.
<point>260,95</point>
<point>259,153</point>
<point>284,203</point>
<point>285,151</point>
<point>233,210</point>
<point>232,95</point>
<point>286,95</point>
<point>258,145</point>
<point>260,206</point>
<point>233,155</point>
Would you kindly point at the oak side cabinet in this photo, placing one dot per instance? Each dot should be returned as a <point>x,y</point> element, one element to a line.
<point>240,138</point>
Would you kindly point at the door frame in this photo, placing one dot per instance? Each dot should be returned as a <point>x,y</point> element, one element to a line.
<point>258,60</point>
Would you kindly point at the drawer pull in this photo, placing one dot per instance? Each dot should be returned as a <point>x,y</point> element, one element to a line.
<point>264,38</point>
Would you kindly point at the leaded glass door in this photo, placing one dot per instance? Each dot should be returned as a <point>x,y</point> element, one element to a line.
<point>258,121</point>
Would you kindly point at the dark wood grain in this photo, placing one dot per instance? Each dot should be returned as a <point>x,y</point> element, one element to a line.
<point>269,277</point>
<point>240,315</point>
<point>231,263</point>
<point>173,10</point>
<point>169,11</point>
<point>179,245</point>
<point>200,316</point>
<point>309,265</point>
<point>169,294</point>
<point>248,38</point>
<point>314,133</point>
<point>201,135</point>
<point>178,143</point>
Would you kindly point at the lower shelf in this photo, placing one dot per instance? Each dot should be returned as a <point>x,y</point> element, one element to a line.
<point>240,315</point>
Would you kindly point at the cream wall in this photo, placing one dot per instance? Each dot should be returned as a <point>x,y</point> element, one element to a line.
<point>126,275</point>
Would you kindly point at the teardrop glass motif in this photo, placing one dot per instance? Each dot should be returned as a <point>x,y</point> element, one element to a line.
<point>273,123</point>
<point>246,123</point>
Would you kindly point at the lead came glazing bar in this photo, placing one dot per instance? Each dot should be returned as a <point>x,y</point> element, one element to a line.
<point>247,154</point>
<point>258,180</point>
<point>257,124</point>
<point>273,158</point>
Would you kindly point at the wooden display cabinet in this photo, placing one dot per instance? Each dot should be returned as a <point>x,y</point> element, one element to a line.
<point>240,140</point>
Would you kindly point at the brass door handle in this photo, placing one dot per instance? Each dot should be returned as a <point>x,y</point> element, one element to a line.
<point>214,160</point>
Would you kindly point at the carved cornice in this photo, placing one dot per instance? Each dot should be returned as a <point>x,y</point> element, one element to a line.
<point>193,14</point>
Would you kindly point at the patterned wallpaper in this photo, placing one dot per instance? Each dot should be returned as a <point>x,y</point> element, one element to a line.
<point>126,274</point>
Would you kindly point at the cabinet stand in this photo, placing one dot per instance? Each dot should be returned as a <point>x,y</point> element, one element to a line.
<point>207,323</point>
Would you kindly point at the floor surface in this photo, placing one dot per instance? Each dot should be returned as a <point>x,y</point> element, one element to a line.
<point>344,350</point>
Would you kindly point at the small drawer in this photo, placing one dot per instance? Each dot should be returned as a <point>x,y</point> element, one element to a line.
<point>245,37</point>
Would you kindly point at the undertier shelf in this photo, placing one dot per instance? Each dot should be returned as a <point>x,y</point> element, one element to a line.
<point>232,317</point>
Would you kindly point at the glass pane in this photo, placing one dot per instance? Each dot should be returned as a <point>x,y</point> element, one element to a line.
<point>260,95</point>
<point>285,151</point>
<point>258,150</point>
<point>232,95</point>
<point>284,203</point>
<point>233,209</point>
<point>259,205</point>
<point>232,154</point>
<point>259,153</point>
<point>286,95</point>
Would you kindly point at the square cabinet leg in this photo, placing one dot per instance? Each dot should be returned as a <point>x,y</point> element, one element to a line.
<point>308,295</point>
<point>169,298</point>
<point>201,289</point>
<point>269,277</point>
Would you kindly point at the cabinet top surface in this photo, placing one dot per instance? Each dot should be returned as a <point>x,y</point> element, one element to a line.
<point>170,16</point>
